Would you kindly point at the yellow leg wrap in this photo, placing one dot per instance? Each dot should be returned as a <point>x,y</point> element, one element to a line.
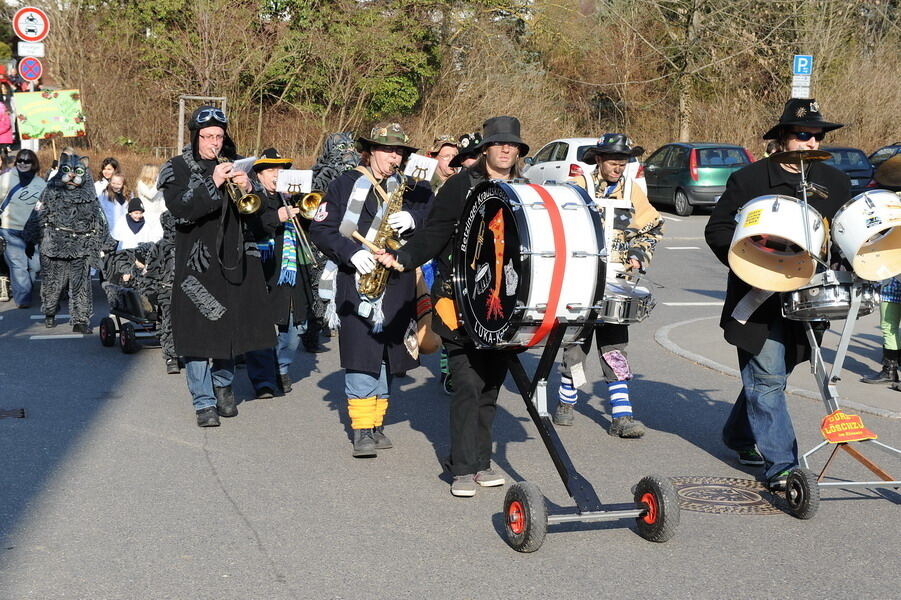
<point>381,407</point>
<point>362,412</point>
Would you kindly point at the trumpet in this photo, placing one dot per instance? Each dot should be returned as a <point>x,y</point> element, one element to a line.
<point>307,204</point>
<point>247,204</point>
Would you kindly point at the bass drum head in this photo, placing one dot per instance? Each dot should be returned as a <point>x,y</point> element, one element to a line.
<point>489,280</point>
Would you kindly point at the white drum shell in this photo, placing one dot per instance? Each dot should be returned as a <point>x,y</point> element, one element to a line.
<point>867,230</point>
<point>779,217</point>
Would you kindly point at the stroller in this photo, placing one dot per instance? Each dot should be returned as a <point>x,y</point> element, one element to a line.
<point>134,311</point>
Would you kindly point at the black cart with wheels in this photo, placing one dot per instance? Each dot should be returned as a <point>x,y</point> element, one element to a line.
<point>526,519</point>
<point>133,315</point>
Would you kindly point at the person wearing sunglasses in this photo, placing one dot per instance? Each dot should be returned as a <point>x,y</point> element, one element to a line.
<point>21,189</point>
<point>759,428</point>
<point>219,287</point>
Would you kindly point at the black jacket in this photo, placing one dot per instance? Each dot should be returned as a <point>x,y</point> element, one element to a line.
<point>361,349</point>
<point>219,299</point>
<point>759,179</point>
<point>438,239</point>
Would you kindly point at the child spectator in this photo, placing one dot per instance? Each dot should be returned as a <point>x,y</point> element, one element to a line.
<point>108,168</point>
<point>150,197</point>
<point>132,228</point>
<point>114,200</point>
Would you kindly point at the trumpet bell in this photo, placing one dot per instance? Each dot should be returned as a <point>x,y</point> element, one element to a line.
<point>309,204</point>
<point>248,204</point>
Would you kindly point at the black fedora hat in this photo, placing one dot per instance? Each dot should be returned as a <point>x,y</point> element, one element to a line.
<point>271,158</point>
<point>800,112</point>
<point>503,130</point>
<point>612,143</point>
<point>469,147</point>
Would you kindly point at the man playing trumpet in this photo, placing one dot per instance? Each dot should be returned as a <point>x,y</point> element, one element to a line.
<point>376,329</point>
<point>218,287</point>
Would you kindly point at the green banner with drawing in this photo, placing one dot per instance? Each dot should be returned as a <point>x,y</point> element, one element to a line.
<point>48,114</point>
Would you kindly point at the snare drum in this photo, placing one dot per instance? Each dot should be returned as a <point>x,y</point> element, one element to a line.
<point>829,301</point>
<point>525,256</point>
<point>769,249</point>
<point>625,304</point>
<point>866,230</point>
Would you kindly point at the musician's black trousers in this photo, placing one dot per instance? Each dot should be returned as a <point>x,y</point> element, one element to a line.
<point>477,377</point>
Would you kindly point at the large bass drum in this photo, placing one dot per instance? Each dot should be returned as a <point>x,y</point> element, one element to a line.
<point>527,255</point>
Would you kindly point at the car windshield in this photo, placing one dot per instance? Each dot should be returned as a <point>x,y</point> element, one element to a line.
<point>721,157</point>
<point>848,159</point>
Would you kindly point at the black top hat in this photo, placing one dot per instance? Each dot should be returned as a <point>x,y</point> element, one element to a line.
<point>469,147</point>
<point>503,130</point>
<point>612,143</point>
<point>271,158</point>
<point>801,112</point>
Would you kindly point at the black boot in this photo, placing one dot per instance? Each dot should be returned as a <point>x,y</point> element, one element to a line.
<point>310,338</point>
<point>285,381</point>
<point>172,366</point>
<point>50,321</point>
<point>889,372</point>
<point>82,328</point>
<point>364,443</point>
<point>207,417</point>
<point>225,401</point>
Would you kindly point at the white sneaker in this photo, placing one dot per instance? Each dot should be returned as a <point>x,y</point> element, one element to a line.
<point>489,478</point>
<point>464,486</point>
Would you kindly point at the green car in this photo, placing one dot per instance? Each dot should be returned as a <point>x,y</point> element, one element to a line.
<point>689,175</point>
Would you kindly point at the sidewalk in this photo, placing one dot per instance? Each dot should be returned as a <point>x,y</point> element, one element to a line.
<point>700,340</point>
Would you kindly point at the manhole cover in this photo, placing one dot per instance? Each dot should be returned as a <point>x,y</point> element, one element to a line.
<point>727,495</point>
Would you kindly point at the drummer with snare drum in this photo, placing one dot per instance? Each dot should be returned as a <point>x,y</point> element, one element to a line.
<point>632,229</point>
<point>769,345</point>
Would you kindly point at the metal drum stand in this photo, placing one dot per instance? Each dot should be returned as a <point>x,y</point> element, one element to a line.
<point>526,519</point>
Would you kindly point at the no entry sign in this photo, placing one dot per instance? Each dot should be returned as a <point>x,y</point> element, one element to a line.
<point>31,24</point>
<point>30,68</point>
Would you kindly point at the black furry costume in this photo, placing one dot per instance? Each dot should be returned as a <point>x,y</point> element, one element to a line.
<point>74,236</point>
<point>158,274</point>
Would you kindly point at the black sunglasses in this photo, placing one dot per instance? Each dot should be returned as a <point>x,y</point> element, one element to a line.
<point>803,136</point>
<point>24,161</point>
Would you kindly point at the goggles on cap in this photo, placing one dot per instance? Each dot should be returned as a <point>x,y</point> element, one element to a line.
<point>211,114</point>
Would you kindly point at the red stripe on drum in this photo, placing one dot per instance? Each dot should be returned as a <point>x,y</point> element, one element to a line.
<point>550,313</point>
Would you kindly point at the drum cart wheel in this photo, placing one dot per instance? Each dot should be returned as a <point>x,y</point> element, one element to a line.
<point>525,517</point>
<point>525,514</point>
<point>128,341</point>
<point>802,493</point>
<point>681,204</point>
<point>661,508</point>
<point>107,332</point>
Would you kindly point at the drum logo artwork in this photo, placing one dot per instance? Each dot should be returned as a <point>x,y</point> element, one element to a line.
<point>487,267</point>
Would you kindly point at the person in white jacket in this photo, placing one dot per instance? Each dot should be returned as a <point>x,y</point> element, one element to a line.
<point>133,229</point>
<point>148,194</point>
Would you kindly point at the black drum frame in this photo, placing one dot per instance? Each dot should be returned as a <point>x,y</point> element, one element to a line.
<point>656,508</point>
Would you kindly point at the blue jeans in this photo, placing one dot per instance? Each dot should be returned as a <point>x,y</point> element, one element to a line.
<point>288,342</point>
<point>202,376</point>
<point>360,384</point>
<point>760,414</point>
<point>261,369</point>
<point>22,270</point>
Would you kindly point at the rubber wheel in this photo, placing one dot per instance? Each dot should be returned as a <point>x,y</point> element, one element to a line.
<point>657,496</point>
<point>525,517</point>
<point>107,332</point>
<point>683,207</point>
<point>802,493</point>
<point>128,342</point>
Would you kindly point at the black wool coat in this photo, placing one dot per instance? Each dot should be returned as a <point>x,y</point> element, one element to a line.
<point>219,299</point>
<point>759,179</point>
<point>285,301</point>
<point>360,348</point>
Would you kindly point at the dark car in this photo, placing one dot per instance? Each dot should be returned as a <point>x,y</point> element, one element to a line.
<point>885,153</point>
<point>692,174</point>
<point>854,163</point>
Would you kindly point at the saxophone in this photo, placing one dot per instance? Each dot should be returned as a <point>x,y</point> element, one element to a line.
<point>372,285</point>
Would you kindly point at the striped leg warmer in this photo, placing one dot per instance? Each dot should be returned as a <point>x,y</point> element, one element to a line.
<point>619,399</point>
<point>568,392</point>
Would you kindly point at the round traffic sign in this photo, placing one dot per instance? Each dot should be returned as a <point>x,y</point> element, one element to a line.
<point>31,24</point>
<point>30,68</point>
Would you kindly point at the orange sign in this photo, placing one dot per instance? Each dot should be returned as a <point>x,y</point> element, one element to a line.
<point>841,427</point>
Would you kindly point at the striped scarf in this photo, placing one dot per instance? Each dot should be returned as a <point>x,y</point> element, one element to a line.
<point>288,275</point>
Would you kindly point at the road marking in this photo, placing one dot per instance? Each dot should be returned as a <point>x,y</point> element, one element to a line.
<point>720,303</point>
<point>61,336</point>
<point>682,247</point>
<point>41,317</point>
<point>668,218</point>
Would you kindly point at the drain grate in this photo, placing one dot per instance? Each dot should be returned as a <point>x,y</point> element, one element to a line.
<point>727,495</point>
<point>16,413</point>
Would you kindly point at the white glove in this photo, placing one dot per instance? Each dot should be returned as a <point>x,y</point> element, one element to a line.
<point>363,261</point>
<point>401,221</point>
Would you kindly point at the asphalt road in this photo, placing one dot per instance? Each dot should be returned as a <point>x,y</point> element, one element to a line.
<point>109,490</point>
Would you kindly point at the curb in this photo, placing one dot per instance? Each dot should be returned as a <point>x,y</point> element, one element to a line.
<point>661,336</point>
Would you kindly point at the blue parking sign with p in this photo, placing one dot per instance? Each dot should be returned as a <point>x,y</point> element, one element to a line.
<point>802,64</point>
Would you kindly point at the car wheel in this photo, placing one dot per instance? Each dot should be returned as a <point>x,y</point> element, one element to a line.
<point>680,201</point>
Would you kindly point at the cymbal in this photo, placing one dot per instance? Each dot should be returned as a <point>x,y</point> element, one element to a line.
<point>889,172</point>
<point>794,157</point>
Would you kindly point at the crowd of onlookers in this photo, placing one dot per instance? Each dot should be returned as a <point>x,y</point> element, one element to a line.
<point>132,213</point>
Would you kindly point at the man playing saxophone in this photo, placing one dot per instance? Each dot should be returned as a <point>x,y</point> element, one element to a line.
<point>374,308</point>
